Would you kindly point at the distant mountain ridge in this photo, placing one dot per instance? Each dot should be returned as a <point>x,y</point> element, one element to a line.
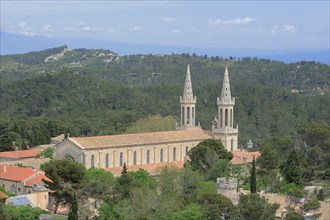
<point>18,44</point>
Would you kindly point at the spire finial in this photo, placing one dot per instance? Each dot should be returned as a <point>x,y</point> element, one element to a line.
<point>188,92</point>
<point>225,93</point>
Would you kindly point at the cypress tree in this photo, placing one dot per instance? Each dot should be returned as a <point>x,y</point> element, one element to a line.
<point>253,180</point>
<point>73,215</point>
<point>124,171</point>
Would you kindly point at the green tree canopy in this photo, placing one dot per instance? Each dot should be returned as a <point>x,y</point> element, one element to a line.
<point>206,154</point>
<point>255,207</point>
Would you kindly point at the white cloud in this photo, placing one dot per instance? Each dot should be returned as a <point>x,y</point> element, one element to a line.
<point>86,28</point>
<point>47,28</point>
<point>286,29</point>
<point>176,31</point>
<point>22,24</point>
<point>237,21</point>
<point>167,19</point>
<point>136,28</point>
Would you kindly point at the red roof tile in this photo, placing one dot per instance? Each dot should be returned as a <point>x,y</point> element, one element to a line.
<point>3,195</point>
<point>242,157</point>
<point>21,153</point>
<point>36,179</point>
<point>194,134</point>
<point>16,173</point>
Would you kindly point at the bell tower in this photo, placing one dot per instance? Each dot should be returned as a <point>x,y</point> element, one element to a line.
<point>223,127</point>
<point>188,102</point>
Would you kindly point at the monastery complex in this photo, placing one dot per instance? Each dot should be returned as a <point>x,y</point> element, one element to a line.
<point>112,151</point>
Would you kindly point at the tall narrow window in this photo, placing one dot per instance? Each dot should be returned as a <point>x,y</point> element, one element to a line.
<point>193,116</point>
<point>107,161</point>
<point>148,156</point>
<point>231,118</point>
<point>232,145</point>
<point>161,155</point>
<point>134,158</point>
<point>221,118</point>
<point>226,117</point>
<point>121,159</point>
<point>174,154</point>
<point>182,123</point>
<point>188,115</point>
<point>92,161</point>
<point>187,149</point>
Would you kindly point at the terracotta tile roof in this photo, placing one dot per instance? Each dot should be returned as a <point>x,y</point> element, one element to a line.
<point>195,134</point>
<point>242,157</point>
<point>36,179</point>
<point>16,173</point>
<point>3,195</point>
<point>151,168</point>
<point>21,153</point>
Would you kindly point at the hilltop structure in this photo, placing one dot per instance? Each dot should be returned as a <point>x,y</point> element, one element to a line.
<point>142,149</point>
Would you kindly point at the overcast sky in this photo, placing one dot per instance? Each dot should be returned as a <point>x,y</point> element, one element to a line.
<point>220,24</point>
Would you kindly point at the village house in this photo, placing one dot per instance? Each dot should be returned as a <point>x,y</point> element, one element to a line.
<point>20,181</point>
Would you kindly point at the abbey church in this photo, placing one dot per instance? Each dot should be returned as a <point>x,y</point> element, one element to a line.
<point>112,151</point>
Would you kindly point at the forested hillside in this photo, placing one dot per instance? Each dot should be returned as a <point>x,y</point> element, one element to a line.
<point>95,92</point>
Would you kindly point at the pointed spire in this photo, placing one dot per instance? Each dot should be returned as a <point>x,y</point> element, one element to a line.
<point>188,92</point>
<point>225,93</point>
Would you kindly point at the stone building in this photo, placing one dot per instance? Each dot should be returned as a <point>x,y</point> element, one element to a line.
<point>20,180</point>
<point>223,127</point>
<point>155,147</point>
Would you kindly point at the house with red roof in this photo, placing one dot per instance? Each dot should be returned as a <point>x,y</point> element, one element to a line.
<point>20,181</point>
<point>19,154</point>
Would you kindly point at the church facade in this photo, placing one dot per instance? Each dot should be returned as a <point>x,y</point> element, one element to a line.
<point>113,151</point>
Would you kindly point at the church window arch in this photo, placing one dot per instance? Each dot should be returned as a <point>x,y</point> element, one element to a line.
<point>182,117</point>
<point>93,161</point>
<point>121,159</point>
<point>148,156</point>
<point>134,157</point>
<point>231,118</point>
<point>161,155</point>
<point>174,154</point>
<point>187,149</point>
<point>107,161</point>
<point>226,117</point>
<point>232,145</point>
<point>221,118</point>
<point>188,115</point>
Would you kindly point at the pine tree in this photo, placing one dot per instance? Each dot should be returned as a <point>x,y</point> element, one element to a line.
<point>253,180</point>
<point>124,171</point>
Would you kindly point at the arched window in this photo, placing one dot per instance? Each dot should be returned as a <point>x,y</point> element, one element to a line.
<point>221,118</point>
<point>13,189</point>
<point>148,156</point>
<point>107,161</point>
<point>232,145</point>
<point>84,159</point>
<point>182,122</point>
<point>92,161</point>
<point>226,117</point>
<point>188,115</point>
<point>231,118</point>
<point>174,154</point>
<point>193,115</point>
<point>121,159</point>
<point>187,149</point>
<point>134,158</point>
<point>161,155</point>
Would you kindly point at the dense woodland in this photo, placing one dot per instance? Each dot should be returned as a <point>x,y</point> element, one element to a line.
<point>283,108</point>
